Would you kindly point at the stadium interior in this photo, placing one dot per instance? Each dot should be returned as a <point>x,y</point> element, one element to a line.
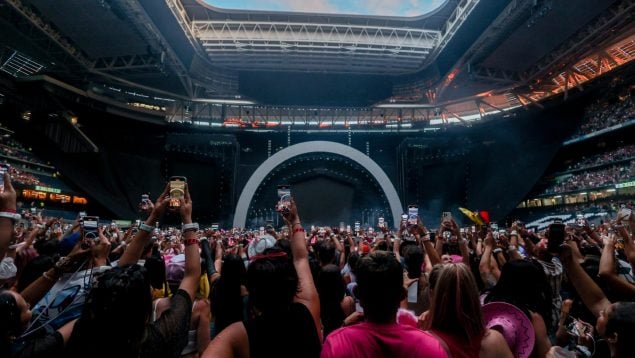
<point>522,108</point>
<point>317,178</point>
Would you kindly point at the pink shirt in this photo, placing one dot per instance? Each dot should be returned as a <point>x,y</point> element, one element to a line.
<point>381,340</point>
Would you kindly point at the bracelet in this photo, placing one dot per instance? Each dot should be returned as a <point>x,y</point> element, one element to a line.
<point>189,227</point>
<point>10,215</point>
<point>497,250</point>
<point>300,229</point>
<point>146,228</point>
<point>189,242</point>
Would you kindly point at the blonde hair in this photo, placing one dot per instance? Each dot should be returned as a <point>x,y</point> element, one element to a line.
<point>455,308</point>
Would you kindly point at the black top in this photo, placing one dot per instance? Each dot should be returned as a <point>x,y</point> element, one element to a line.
<point>289,333</point>
<point>167,336</point>
<point>45,346</point>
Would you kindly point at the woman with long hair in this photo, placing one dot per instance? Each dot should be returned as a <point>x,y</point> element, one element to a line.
<point>456,318</point>
<point>283,302</point>
<point>335,306</point>
<point>116,319</point>
<point>523,284</point>
<point>228,295</point>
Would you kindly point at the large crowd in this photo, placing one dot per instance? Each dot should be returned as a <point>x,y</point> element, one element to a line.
<point>594,179</point>
<point>23,177</point>
<point>622,153</point>
<point>78,290</point>
<point>12,149</point>
<point>605,114</point>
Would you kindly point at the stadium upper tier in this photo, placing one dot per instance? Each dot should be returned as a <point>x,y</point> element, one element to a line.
<point>188,51</point>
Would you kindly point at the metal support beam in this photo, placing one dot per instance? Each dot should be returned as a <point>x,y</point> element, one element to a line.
<point>313,46</point>
<point>127,63</point>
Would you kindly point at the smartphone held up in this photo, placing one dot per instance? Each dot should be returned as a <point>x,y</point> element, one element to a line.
<point>3,169</point>
<point>177,190</point>
<point>284,198</point>
<point>413,215</point>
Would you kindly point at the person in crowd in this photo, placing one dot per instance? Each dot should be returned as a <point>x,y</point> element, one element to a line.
<point>455,316</point>
<point>119,306</point>
<point>380,289</point>
<point>15,312</point>
<point>229,296</point>
<point>284,302</point>
<point>335,305</point>
<point>524,284</point>
<point>198,336</point>
<point>615,321</point>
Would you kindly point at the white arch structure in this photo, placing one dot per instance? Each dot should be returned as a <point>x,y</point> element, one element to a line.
<point>240,216</point>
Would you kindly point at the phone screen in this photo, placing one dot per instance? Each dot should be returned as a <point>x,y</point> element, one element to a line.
<point>413,215</point>
<point>3,169</point>
<point>446,216</point>
<point>381,222</point>
<point>215,226</point>
<point>357,226</point>
<point>177,190</point>
<point>89,226</point>
<point>284,197</point>
<point>413,292</point>
<point>556,237</point>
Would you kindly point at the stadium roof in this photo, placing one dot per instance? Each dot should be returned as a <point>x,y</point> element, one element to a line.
<point>518,51</point>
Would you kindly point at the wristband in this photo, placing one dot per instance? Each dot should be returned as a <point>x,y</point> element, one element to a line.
<point>497,250</point>
<point>300,229</point>
<point>189,227</point>
<point>10,215</point>
<point>146,228</point>
<point>189,242</point>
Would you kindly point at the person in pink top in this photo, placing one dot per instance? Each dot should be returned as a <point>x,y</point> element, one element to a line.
<point>380,290</point>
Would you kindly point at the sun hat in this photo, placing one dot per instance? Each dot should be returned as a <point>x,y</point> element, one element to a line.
<point>513,324</point>
<point>260,244</point>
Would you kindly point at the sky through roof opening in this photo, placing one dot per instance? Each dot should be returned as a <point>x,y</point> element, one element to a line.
<point>356,7</point>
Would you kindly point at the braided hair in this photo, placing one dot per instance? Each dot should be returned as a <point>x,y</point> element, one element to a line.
<point>9,320</point>
<point>118,306</point>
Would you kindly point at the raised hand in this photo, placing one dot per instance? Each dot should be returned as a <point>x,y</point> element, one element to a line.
<point>8,196</point>
<point>160,206</point>
<point>185,209</point>
<point>290,216</point>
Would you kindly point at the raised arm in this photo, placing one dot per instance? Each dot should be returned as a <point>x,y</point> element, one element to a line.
<point>485,266</point>
<point>608,272</point>
<point>308,293</point>
<point>34,292</point>
<point>629,246</point>
<point>192,274</point>
<point>589,291</point>
<point>135,248</point>
<point>340,248</point>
